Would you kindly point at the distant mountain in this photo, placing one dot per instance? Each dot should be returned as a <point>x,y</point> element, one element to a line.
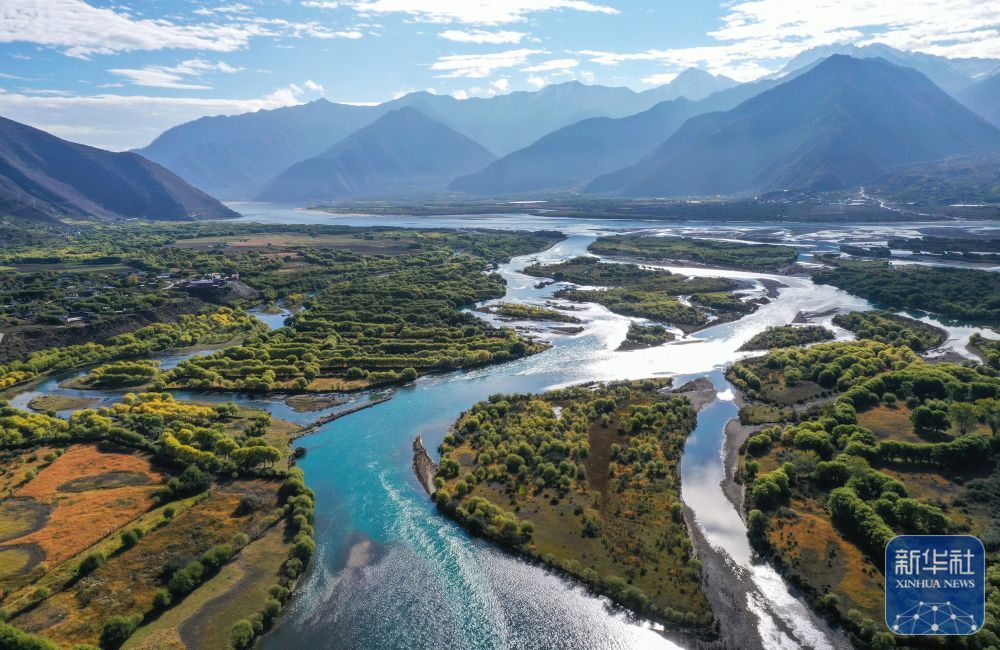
<point>571,156</point>
<point>842,122</point>
<point>984,98</point>
<point>402,152</point>
<point>951,75</point>
<point>234,157</point>
<point>506,123</point>
<point>44,177</point>
<point>693,84</point>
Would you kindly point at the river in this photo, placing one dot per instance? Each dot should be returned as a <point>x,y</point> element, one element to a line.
<point>390,572</point>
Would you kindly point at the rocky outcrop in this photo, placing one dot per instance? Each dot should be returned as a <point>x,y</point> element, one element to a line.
<point>423,466</point>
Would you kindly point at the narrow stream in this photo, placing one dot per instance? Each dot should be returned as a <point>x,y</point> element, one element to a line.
<point>390,572</point>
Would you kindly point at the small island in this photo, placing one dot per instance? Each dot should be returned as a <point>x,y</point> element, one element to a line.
<point>686,303</point>
<point>586,480</point>
<point>786,336</point>
<point>520,311</point>
<point>645,336</point>
<point>709,252</point>
<point>886,327</point>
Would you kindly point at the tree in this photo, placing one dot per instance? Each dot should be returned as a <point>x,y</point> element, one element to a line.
<point>928,421</point>
<point>964,417</point>
<point>989,412</point>
<point>241,634</point>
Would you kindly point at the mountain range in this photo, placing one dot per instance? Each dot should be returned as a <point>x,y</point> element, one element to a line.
<point>236,157</point>
<point>402,151</point>
<point>45,178</point>
<point>571,156</point>
<point>844,121</point>
<point>834,118</point>
<point>951,75</point>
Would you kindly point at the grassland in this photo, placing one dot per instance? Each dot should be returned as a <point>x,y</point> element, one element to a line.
<point>586,480</point>
<point>131,512</point>
<point>60,402</point>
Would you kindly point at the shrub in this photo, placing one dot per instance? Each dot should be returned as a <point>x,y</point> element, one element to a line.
<point>131,537</point>
<point>161,599</point>
<point>241,634</point>
<point>89,564</point>
<point>15,639</point>
<point>117,629</point>
<point>186,579</point>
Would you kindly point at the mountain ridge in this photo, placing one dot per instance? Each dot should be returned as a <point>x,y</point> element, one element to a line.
<point>45,177</point>
<point>843,121</point>
<point>404,151</point>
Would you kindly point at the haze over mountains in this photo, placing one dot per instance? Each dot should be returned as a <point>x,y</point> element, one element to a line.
<point>845,121</point>
<point>834,118</point>
<point>403,150</point>
<point>236,157</point>
<point>573,155</point>
<point>984,97</point>
<point>44,178</point>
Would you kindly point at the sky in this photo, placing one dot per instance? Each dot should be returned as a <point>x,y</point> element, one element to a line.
<point>117,73</point>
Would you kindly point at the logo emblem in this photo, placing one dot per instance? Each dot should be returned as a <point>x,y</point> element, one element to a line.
<point>935,584</point>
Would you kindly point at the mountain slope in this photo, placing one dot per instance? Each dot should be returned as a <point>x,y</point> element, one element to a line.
<point>984,98</point>
<point>693,84</point>
<point>234,157</point>
<point>230,156</point>
<point>403,151</point>
<point>843,121</point>
<point>951,75</point>
<point>575,154</point>
<point>42,176</point>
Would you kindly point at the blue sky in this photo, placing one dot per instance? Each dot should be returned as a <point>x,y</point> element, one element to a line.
<point>115,74</point>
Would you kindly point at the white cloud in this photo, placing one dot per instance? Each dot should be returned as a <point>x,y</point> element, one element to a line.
<point>474,12</point>
<point>313,86</point>
<point>237,8</point>
<point>659,79</point>
<point>757,35</point>
<point>81,30</point>
<point>109,121</point>
<point>553,65</point>
<point>482,36</point>
<point>158,76</point>
<point>537,81</point>
<point>501,85</point>
<point>477,66</point>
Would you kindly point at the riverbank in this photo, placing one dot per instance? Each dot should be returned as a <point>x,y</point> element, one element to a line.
<point>326,419</point>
